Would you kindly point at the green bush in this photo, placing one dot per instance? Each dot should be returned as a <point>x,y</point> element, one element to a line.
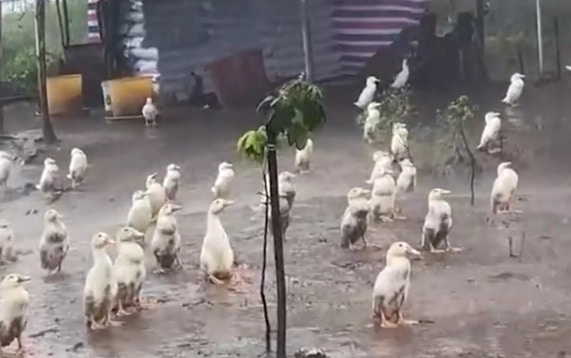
<point>19,67</point>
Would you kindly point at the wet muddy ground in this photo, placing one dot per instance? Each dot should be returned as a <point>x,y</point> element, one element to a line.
<point>483,303</point>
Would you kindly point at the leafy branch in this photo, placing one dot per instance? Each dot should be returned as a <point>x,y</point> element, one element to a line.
<point>292,113</point>
<point>395,106</point>
<point>454,137</point>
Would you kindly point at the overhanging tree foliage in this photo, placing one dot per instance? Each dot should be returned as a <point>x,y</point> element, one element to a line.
<point>395,106</point>
<point>293,112</point>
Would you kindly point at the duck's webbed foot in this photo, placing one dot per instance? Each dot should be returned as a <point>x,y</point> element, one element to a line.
<point>386,219</point>
<point>397,216</point>
<point>121,311</point>
<point>405,322</point>
<point>385,323</point>
<point>215,280</point>
<point>453,249</point>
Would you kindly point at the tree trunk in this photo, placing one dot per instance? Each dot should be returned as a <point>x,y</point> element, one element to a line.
<point>278,244</point>
<point>48,129</point>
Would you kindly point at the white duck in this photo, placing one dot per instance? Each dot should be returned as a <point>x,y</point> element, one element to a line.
<point>383,163</point>
<point>491,132</point>
<point>515,89</point>
<point>503,189</point>
<point>49,181</point>
<point>166,242</point>
<point>402,77</point>
<point>77,167</point>
<point>100,286</point>
<point>6,163</point>
<point>129,269</point>
<point>392,285</point>
<point>14,303</point>
<point>171,183</point>
<point>399,141</point>
<point>383,197</point>
<point>355,220</point>
<point>303,157</point>
<point>437,223</point>
<point>368,93</point>
<point>372,122</point>
<point>150,113</point>
<point>7,250</point>
<point>223,184</point>
<point>406,181</point>
<point>54,242</point>
<point>216,256</point>
<point>140,214</point>
<point>156,193</point>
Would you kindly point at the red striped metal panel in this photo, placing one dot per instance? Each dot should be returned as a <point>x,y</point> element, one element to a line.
<point>362,26</point>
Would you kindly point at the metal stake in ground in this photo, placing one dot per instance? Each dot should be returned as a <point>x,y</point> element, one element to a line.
<point>278,243</point>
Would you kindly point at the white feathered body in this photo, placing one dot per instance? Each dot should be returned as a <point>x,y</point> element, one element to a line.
<point>150,112</point>
<point>223,184</point>
<point>166,241</point>
<point>54,244</point>
<point>100,287</point>
<point>367,95</point>
<point>437,222</point>
<point>5,169</point>
<point>7,251</point>
<point>14,303</point>
<point>402,77</point>
<point>303,156</point>
<point>171,183</point>
<point>49,181</point>
<point>354,222</point>
<point>383,163</point>
<point>383,196</point>
<point>406,181</point>
<point>391,288</point>
<point>77,167</point>
<point>140,214</point>
<point>504,188</point>
<point>371,124</point>
<point>157,196</point>
<point>514,92</point>
<point>399,143</point>
<point>129,270</point>
<point>216,256</point>
<point>491,132</point>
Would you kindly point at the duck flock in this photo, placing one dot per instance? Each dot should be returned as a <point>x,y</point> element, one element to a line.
<point>113,287</point>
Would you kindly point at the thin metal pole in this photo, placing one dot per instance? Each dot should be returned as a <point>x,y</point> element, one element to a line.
<point>1,91</point>
<point>306,34</point>
<point>539,35</point>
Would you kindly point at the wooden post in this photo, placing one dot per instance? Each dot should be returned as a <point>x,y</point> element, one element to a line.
<point>40,24</point>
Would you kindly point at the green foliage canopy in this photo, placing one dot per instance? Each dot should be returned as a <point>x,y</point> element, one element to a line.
<point>292,114</point>
<point>19,67</point>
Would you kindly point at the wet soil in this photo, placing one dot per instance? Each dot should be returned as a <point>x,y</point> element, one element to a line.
<point>483,302</point>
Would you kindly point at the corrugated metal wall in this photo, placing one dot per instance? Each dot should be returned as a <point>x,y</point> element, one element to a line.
<point>189,34</point>
<point>511,24</point>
